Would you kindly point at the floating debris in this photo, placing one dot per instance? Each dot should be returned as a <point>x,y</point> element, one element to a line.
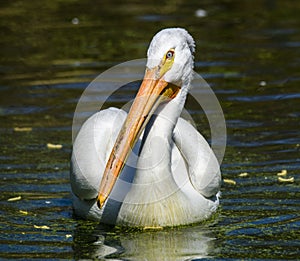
<point>244,174</point>
<point>22,129</point>
<point>201,13</point>
<point>152,228</point>
<point>75,21</point>
<point>23,212</point>
<point>282,173</point>
<point>263,83</point>
<point>14,199</point>
<point>41,227</point>
<point>54,146</point>
<point>286,180</point>
<point>68,235</point>
<point>229,181</point>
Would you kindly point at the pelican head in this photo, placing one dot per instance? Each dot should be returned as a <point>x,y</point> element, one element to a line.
<point>168,73</point>
<point>171,53</point>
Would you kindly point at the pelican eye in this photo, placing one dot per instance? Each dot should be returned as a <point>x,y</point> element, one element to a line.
<point>167,62</point>
<point>170,54</point>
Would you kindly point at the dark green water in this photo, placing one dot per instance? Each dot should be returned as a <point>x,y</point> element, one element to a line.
<point>249,53</point>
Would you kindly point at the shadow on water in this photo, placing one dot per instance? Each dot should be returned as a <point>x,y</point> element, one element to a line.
<point>248,51</point>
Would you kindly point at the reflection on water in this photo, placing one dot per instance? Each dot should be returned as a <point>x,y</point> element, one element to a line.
<point>52,50</point>
<point>170,244</point>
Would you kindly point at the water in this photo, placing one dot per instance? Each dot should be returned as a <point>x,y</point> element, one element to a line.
<point>248,51</point>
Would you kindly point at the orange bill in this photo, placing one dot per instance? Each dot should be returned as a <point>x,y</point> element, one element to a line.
<point>152,92</point>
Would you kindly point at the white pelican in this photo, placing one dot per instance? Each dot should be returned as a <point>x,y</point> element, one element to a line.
<point>149,168</point>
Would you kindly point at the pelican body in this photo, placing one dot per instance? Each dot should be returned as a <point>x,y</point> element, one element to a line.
<point>148,168</point>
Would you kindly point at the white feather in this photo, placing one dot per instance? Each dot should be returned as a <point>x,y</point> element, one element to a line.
<point>174,180</point>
